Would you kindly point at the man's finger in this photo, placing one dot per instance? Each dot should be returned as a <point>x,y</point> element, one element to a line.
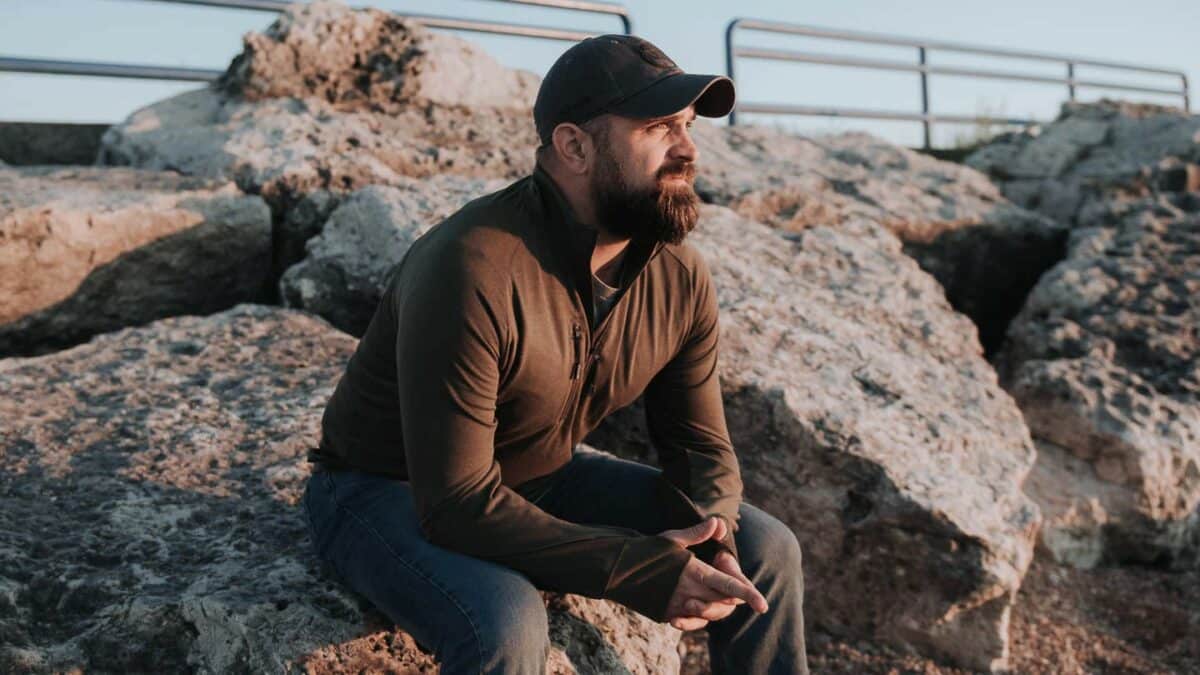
<point>733,587</point>
<point>710,611</point>
<point>729,565</point>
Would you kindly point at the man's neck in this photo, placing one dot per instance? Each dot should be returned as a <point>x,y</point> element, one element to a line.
<point>608,249</point>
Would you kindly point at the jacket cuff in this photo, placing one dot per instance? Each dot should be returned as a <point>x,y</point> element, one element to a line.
<point>646,575</point>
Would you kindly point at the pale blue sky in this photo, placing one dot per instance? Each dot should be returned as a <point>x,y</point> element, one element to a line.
<point>1151,32</point>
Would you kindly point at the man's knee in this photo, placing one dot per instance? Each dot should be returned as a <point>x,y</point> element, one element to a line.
<point>774,544</point>
<point>514,631</point>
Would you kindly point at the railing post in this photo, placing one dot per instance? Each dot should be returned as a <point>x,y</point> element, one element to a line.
<point>924,97</point>
<point>1071,81</point>
<point>1187,107</point>
<point>729,64</point>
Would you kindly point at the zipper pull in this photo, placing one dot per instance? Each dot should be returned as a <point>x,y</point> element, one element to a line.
<point>577,339</point>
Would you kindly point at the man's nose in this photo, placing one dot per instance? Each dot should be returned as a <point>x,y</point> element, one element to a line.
<point>684,148</point>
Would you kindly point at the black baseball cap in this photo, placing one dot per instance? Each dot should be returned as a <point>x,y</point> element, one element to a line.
<point>625,75</point>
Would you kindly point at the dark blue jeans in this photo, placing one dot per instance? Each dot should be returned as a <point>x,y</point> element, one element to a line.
<point>476,616</point>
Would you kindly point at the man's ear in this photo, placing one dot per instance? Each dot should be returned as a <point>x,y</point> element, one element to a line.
<point>573,147</point>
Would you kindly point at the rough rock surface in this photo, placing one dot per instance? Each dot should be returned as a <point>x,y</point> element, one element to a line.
<point>336,99</point>
<point>370,59</point>
<point>1104,359</point>
<point>986,252</point>
<point>1093,154</point>
<point>342,277</point>
<point>866,418</point>
<point>87,250</point>
<point>149,518</point>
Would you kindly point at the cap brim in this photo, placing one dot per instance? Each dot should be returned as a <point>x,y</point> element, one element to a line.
<point>713,96</point>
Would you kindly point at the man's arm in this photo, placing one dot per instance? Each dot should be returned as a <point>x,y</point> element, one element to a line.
<point>685,417</point>
<point>449,315</point>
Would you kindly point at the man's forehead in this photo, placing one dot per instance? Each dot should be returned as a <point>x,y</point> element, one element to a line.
<point>688,113</point>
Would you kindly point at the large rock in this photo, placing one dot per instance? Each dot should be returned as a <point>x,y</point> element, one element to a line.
<point>1104,359</point>
<point>1095,153</point>
<point>149,518</point>
<point>88,250</point>
<point>336,99</point>
<point>986,252</point>
<point>865,417</point>
<point>342,277</point>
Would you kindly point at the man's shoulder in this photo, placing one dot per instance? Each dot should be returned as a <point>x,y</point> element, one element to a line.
<point>686,258</point>
<point>487,228</point>
<point>476,242</point>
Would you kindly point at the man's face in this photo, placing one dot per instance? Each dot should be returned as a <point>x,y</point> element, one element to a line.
<point>643,174</point>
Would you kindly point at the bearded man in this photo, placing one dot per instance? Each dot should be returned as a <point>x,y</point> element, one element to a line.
<point>451,485</point>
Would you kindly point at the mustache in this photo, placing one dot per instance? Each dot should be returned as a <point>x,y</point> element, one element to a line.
<point>686,170</point>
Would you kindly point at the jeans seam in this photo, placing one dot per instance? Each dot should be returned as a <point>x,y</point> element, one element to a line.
<point>400,559</point>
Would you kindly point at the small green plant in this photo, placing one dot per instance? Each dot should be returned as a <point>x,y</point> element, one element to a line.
<point>989,122</point>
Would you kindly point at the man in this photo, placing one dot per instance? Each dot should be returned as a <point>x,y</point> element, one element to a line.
<point>450,484</point>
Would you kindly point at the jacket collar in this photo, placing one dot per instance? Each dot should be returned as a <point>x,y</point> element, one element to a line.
<point>575,240</point>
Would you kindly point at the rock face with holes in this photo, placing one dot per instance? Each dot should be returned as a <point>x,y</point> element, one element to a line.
<point>336,99</point>
<point>87,250</point>
<point>1095,154</point>
<point>342,276</point>
<point>1105,362</point>
<point>866,418</point>
<point>1103,356</point>
<point>985,251</point>
<point>149,487</point>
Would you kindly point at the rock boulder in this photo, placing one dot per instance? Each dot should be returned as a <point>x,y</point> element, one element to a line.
<point>149,487</point>
<point>88,250</point>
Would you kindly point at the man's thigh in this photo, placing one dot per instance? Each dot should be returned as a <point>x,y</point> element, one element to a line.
<point>598,488</point>
<point>366,528</point>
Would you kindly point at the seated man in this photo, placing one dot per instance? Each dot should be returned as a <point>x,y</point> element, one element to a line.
<point>450,484</point>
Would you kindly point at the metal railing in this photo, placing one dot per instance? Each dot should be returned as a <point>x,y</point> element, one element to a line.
<point>921,66</point>
<point>48,66</point>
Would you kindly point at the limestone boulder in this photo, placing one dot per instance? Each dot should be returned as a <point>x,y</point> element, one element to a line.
<point>333,98</point>
<point>330,99</point>
<point>985,251</point>
<point>342,276</point>
<point>85,250</point>
<point>1092,154</point>
<point>866,418</point>
<point>1104,360</point>
<point>149,488</point>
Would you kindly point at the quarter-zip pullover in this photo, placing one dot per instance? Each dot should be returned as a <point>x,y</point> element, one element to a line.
<point>481,370</point>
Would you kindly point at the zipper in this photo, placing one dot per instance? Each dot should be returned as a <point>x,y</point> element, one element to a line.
<point>576,367</point>
<point>576,339</point>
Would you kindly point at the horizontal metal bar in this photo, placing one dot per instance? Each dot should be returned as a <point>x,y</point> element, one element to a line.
<point>578,5</point>
<point>789,109</point>
<point>499,28</point>
<point>882,38</point>
<point>881,64</point>
<point>435,21</point>
<point>46,66</point>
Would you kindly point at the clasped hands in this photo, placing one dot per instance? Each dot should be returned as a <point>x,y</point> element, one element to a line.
<point>708,592</point>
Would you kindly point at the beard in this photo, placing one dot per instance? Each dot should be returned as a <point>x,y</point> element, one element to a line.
<point>662,212</point>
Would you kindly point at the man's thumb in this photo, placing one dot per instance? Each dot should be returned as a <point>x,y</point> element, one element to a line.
<point>699,532</point>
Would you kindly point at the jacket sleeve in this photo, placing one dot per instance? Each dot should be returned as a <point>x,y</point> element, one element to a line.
<point>685,417</point>
<point>449,307</point>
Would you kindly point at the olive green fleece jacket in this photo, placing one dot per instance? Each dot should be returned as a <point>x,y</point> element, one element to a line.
<point>481,370</point>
